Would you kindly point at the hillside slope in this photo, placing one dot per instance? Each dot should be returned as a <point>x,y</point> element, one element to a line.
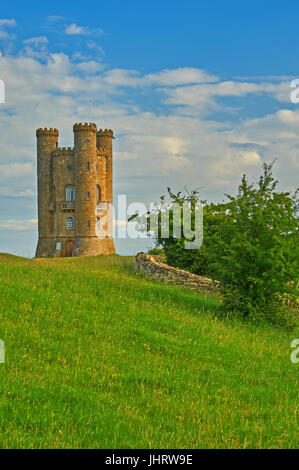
<point>96,356</point>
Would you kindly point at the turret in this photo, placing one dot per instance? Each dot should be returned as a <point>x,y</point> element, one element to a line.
<point>85,160</point>
<point>71,189</point>
<point>47,142</point>
<point>104,140</point>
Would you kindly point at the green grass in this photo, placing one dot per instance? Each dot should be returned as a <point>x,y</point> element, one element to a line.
<point>97,357</point>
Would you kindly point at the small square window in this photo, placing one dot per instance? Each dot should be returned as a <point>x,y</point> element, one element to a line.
<point>69,167</point>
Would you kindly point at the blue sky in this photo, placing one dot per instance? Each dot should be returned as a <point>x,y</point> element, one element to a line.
<point>197,94</point>
<point>232,37</point>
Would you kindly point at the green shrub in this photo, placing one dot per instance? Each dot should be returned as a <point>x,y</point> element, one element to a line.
<point>257,252</point>
<point>249,245</point>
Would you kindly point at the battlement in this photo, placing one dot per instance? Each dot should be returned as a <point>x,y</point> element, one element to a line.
<point>64,151</point>
<point>72,182</point>
<point>86,127</point>
<point>106,132</point>
<point>45,131</point>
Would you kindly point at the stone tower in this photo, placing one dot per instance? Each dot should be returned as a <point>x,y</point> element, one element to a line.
<point>75,196</point>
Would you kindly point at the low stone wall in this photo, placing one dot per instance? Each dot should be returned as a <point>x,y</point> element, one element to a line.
<point>153,269</point>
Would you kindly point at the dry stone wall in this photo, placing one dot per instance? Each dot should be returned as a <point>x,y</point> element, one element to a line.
<point>159,271</point>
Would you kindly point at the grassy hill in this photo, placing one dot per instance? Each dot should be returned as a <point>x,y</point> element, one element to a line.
<point>96,356</point>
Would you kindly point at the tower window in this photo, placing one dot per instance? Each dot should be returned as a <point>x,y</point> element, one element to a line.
<point>88,223</point>
<point>70,223</point>
<point>87,166</point>
<point>70,193</point>
<point>99,196</point>
<point>87,195</point>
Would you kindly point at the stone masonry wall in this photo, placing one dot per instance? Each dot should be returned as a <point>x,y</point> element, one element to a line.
<point>82,226</point>
<point>153,269</point>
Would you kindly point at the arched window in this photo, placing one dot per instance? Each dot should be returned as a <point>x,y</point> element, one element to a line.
<point>70,223</point>
<point>70,193</point>
<point>99,196</point>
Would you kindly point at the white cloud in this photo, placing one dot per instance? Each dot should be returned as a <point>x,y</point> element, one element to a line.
<point>251,158</point>
<point>6,23</point>
<point>180,76</point>
<point>74,29</point>
<point>18,225</point>
<point>8,191</point>
<point>123,77</point>
<point>36,47</point>
<point>174,77</point>
<point>95,47</point>
<point>15,170</point>
<point>205,94</point>
<point>90,66</point>
<point>36,41</point>
<point>153,149</point>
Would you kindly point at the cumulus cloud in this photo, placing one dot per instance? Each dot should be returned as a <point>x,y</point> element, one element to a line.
<point>155,146</point>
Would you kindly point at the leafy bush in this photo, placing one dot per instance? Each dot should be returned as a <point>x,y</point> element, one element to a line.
<point>249,245</point>
<point>156,251</point>
<point>257,249</point>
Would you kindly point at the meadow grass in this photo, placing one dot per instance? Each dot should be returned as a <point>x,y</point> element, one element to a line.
<point>98,357</point>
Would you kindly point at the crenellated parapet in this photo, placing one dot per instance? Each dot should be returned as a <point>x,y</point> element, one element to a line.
<point>86,127</point>
<point>106,132</point>
<point>64,151</point>
<point>48,132</point>
<point>72,182</point>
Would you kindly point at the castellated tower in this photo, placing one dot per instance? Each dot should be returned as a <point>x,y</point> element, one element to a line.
<point>75,193</point>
